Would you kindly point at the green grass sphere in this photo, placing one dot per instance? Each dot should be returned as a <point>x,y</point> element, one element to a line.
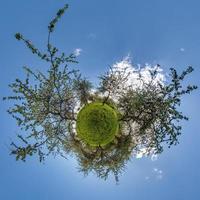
<point>97,124</point>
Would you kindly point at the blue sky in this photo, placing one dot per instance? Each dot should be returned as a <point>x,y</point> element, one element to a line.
<point>157,31</point>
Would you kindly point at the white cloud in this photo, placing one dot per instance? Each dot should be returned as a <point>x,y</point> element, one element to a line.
<point>135,72</point>
<point>182,49</point>
<point>158,173</point>
<point>155,169</point>
<point>77,52</point>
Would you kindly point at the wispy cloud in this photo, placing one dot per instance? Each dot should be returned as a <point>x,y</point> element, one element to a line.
<point>182,49</point>
<point>77,52</point>
<point>92,36</point>
<point>158,173</point>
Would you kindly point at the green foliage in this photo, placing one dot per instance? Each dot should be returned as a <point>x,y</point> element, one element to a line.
<point>46,101</point>
<point>54,21</point>
<point>153,109</point>
<point>103,160</point>
<point>114,123</point>
<point>97,124</point>
<point>83,88</point>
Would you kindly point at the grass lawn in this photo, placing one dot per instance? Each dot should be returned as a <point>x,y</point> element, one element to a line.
<point>97,124</point>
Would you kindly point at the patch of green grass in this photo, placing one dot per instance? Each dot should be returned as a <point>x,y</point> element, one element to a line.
<point>97,124</point>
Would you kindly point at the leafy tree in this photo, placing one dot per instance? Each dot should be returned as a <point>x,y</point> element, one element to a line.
<point>104,161</point>
<point>47,105</point>
<point>149,112</point>
<point>46,110</point>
